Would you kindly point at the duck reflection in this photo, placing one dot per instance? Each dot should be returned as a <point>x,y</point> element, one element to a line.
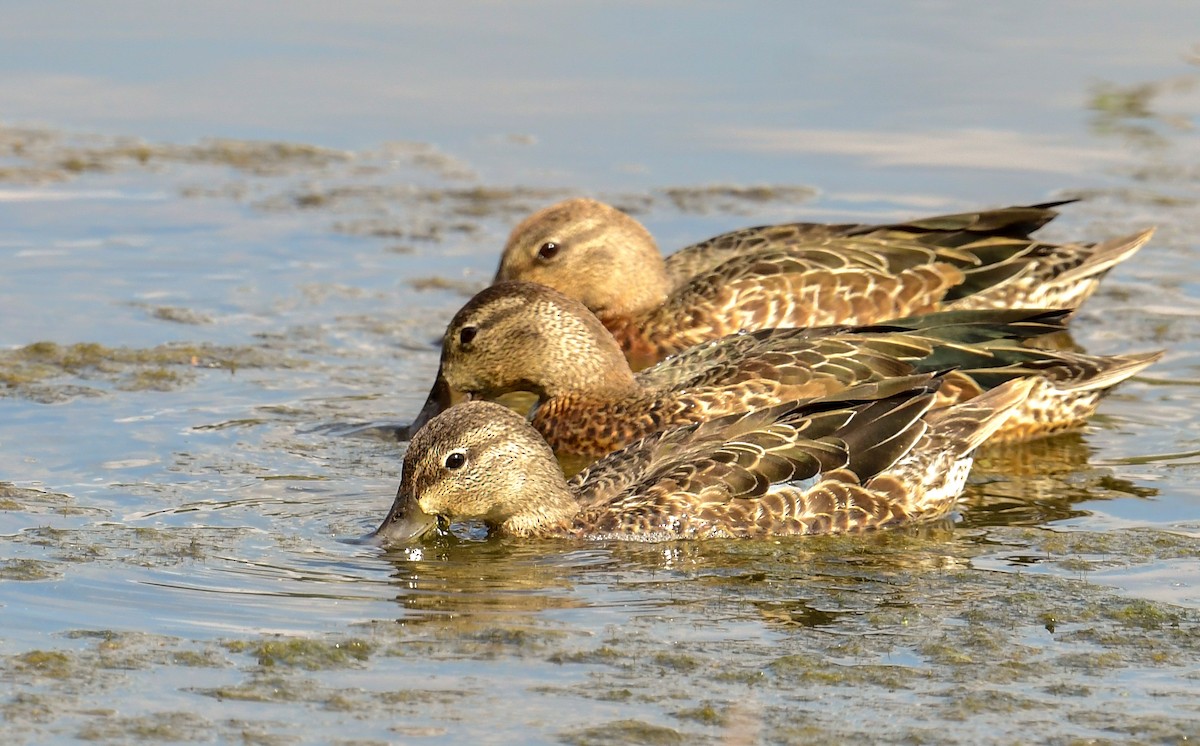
<point>1031,484</point>
<point>474,581</point>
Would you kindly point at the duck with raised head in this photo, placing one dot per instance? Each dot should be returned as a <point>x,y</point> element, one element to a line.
<point>522,336</point>
<point>797,468</point>
<point>799,274</point>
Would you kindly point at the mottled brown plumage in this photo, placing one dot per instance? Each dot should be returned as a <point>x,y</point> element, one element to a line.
<point>798,275</point>
<point>528,337</point>
<point>949,231</point>
<point>809,468</point>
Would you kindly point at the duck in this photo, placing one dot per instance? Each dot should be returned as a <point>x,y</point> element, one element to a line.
<point>798,468</point>
<point>527,337</point>
<point>799,274</point>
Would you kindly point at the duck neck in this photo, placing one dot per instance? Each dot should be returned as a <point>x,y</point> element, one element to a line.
<point>550,512</point>
<point>611,381</point>
<point>588,363</point>
<point>636,339</point>
<point>642,292</point>
<point>640,270</point>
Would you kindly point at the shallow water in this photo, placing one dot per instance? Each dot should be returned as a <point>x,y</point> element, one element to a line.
<point>227,250</point>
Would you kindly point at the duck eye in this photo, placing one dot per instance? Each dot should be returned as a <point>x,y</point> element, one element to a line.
<point>456,460</point>
<point>466,334</point>
<point>548,250</point>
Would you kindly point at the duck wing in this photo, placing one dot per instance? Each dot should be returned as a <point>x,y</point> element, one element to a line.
<point>1017,221</point>
<point>723,477</point>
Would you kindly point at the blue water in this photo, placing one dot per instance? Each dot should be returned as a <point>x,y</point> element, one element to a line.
<point>155,544</point>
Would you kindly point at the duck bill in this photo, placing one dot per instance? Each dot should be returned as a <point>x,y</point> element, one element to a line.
<point>405,522</point>
<point>441,397</point>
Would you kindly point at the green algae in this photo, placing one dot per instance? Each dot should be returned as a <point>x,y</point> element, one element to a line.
<point>723,198</point>
<point>1132,112</point>
<point>198,659</point>
<point>30,708</point>
<point>434,214</point>
<point>1146,615</point>
<point>304,653</point>
<point>705,714</point>
<point>484,641</point>
<point>524,639</point>
<point>271,688</point>
<point>92,356</point>
<point>180,315</point>
<point>242,422</point>
<point>605,654</point>
<point>464,288</point>
<point>28,569</point>
<point>135,546</point>
<point>30,500</point>
<point>159,727</point>
<point>50,663</point>
<point>963,706</point>
<point>417,698</point>
<point>983,632</point>
<point>153,379</point>
<point>162,368</point>
<point>50,155</point>
<point>676,661</point>
<point>1145,728</point>
<point>802,670</point>
<point>624,731</point>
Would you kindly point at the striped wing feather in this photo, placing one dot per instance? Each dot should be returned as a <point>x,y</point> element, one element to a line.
<point>818,288</point>
<point>941,230</point>
<point>648,459</point>
<point>729,359</point>
<point>737,484</point>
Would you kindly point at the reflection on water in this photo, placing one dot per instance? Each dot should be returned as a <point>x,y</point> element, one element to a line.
<point>1031,484</point>
<point>449,581</point>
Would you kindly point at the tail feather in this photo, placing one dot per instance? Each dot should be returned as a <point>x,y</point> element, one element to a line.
<point>1065,371</point>
<point>969,424</point>
<point>1116,368</point>
<point>971,326</point>
<point>1106,255</point>
<point>1017,221</point>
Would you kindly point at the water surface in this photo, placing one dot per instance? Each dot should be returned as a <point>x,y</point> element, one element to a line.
<point>230,237</point>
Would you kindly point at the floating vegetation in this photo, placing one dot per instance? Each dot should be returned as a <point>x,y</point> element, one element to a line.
<point>734,199</point>
<point>28,569</point>
<point>162,368</point>
<point>180,315</point>
<point>465,288</point>
<point>1133,111</point>
<point>51,155</point>
<point>306,653</point>
<point>30,500</point>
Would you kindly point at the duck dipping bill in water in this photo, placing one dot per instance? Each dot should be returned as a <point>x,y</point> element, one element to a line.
<point>798,468</point>
<point>523,336</point>
<point>800,274</point>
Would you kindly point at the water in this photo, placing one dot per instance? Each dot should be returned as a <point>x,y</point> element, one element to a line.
<point>229,238</point>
